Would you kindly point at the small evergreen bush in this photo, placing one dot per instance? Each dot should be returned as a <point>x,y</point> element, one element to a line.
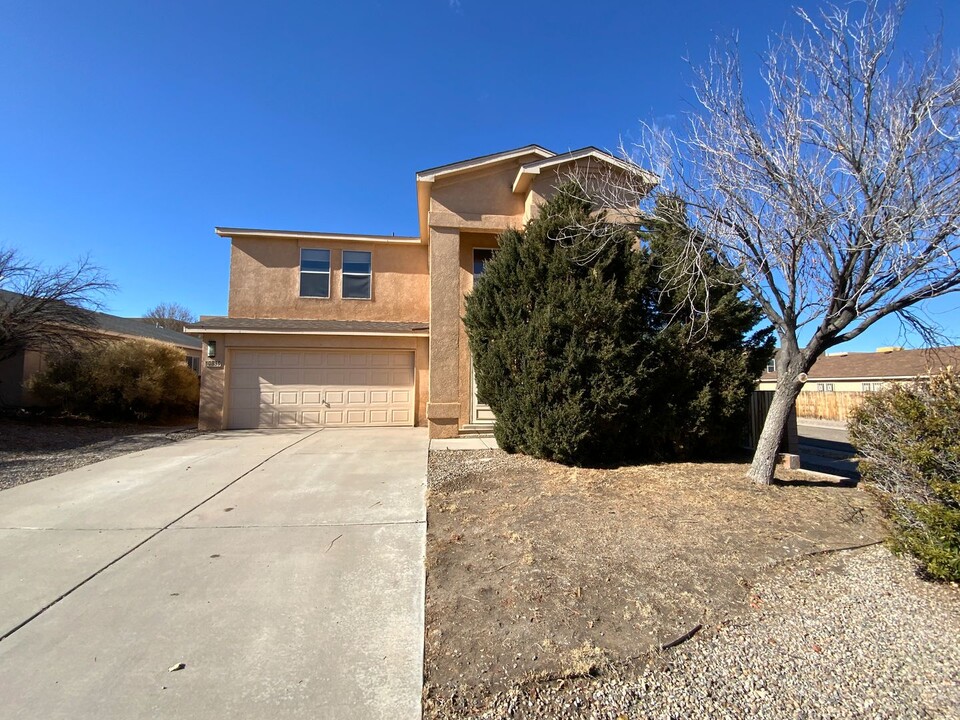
<point>121,380</point>
<point>909,439</point>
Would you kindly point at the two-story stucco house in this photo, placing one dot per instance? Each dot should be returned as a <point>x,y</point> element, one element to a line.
<point>332,330</point>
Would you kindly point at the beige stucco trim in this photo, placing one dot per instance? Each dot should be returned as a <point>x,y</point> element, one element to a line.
<point>299,235</point>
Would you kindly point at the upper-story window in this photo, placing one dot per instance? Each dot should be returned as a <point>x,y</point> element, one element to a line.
<point>314,273</point>
<point>772,366</point>
<point>357,275</point>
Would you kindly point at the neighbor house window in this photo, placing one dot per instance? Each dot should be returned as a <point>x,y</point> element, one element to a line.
<point>824,387</point>
<point>357,274</point>
<point>772,366</point>
<point>866,387</point>
<point>314,273</point>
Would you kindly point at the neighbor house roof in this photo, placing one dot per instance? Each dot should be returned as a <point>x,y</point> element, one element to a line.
<point>889,365</point>
<point>129,327</point>
<point>144,328</point>
<point>231,325</point>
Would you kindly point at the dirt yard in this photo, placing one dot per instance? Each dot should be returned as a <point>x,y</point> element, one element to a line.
<point>539,573</point>
<point>32,448</point>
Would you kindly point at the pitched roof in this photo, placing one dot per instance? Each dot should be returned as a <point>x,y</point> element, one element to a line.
<point>899,364</point>
<point>232,325</point>
<point>527,171</point>
<point>431,174</point>
<point>129,327</point>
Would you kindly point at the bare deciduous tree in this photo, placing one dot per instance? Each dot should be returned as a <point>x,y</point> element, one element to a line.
<point>172,316</point>
<point>837,201</point>
<point>47,308</point>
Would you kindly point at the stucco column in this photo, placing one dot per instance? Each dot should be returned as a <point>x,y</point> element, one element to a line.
<point>443,410</point>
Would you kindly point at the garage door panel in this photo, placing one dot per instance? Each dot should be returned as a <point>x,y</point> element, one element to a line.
<point>312,388</point>
<point>290,360</point>
<point>244,400</point>
<point>246,378</point>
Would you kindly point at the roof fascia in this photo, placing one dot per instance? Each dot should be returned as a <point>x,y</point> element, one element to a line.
<point>431,174</point>
<point>250,331</point>
<point>301,235</point>
<point>527,172</point>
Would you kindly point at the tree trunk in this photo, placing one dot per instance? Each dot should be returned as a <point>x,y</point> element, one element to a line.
<point>765,457</point>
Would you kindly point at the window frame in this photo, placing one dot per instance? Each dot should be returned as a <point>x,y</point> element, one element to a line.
<point>328,272</point>
<point>772,366</point>
<point>344,274</point>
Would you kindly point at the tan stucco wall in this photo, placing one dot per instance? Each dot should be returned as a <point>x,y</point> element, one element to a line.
<point>443,410</point>
<point>15,372</point>
<point>11,380</point>
<point>213,397</point>
<point>487,191</point>
<point>265,281</point>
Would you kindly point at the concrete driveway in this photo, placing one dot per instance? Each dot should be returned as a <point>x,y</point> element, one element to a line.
<point>283,569</point>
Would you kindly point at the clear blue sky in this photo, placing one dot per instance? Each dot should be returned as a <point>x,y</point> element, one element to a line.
<point>128,130</point>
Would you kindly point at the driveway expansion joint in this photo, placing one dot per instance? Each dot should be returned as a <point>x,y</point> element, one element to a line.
<point>150,537</point>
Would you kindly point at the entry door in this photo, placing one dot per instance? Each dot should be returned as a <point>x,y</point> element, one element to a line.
<point>481,412</point>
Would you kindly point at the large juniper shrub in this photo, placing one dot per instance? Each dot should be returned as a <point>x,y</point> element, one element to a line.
<point>909,439</point>
<point>585,354</point>
<point>561,333</point>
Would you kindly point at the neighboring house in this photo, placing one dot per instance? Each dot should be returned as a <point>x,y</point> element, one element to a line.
<point>336,330</point>
<point>837,382</point>
<point>17,370</point>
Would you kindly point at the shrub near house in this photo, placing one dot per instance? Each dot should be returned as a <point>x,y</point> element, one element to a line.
<point>121,380</point>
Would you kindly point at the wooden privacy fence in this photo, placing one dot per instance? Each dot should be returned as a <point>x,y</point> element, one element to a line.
<point>760,402</point>
<point>828,405</point>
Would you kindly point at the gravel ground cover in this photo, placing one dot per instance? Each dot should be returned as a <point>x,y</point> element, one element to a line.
<point>551,590</point>
<point>851,635</point>
<point>31,449</point>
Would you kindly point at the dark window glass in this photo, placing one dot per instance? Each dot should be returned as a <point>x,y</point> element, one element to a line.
<point>356,286</point>
<point>480,258</point>
<point>355,261</point>
<point>314,284</point>
<point>317,260</point>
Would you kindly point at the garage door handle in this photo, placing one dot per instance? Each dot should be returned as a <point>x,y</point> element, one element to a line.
<point>326,403</point>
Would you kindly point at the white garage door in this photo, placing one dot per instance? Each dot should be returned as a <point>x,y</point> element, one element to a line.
<point>314,388</point>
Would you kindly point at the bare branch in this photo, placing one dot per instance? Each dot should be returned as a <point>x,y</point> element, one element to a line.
<point>48,308</point>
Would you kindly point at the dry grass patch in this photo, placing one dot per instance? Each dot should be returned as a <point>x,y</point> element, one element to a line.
<point>540,572</point>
